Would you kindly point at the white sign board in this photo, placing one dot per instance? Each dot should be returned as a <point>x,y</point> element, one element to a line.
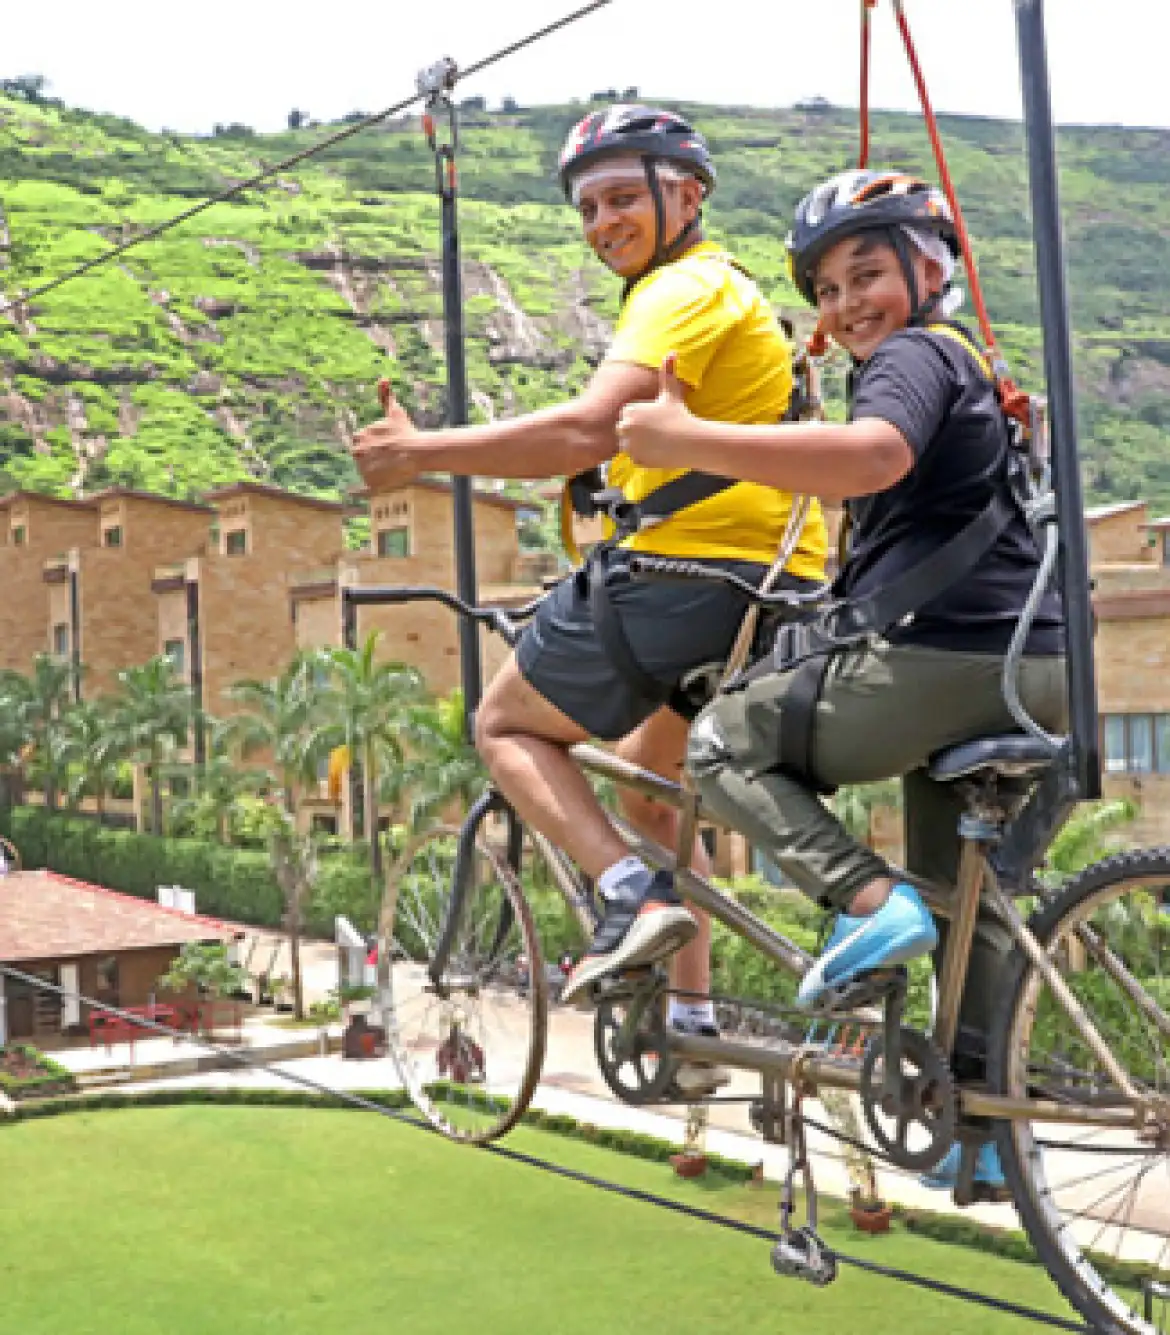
<point>175,897</point>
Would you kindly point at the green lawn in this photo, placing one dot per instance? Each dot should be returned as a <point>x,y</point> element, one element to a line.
<point>203,1220</point>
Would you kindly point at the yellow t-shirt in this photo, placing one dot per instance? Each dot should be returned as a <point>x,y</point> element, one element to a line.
<point>737,366</point>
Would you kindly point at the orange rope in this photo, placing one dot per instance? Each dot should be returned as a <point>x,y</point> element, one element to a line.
<point>863,150</point>
<point>1014,400</point>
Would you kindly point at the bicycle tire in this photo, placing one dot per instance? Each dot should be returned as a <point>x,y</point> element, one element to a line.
<point>467,1031</point>
<point>1014,1071</point>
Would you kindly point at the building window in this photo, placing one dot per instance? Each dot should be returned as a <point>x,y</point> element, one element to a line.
<point>235,542</point>
<point>394,542</point>
<point>322,823</point>
<point>1136,743</point>
<point>112,536</point>
<point>61,639</point>
<point>19,535</point>
<point>175,651</point>
<point>1166,547</point>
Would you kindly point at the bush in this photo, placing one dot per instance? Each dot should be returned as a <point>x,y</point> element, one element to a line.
<point>27,1073</point>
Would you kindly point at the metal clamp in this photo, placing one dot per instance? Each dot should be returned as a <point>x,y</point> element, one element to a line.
<point>436,83</point>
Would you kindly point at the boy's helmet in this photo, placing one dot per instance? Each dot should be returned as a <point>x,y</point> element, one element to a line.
<point>646,132</point>
<point>862,201</point>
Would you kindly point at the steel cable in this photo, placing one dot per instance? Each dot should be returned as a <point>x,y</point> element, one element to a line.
<point>559,1170</point>
<point>14,303</point>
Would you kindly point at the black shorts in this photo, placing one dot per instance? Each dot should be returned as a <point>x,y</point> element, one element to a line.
<point>672,628</point>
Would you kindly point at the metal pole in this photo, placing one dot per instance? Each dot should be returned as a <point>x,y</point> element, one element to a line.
<point>437,82</point>
<point>1073,556</point>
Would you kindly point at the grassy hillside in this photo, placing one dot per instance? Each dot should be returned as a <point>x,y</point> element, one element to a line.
<point>247,341</point>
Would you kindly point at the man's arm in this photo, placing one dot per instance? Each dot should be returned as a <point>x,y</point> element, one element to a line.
<point>562,440</point>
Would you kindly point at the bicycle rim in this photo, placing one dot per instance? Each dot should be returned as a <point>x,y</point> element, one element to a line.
<point>466,1026</point>
<point>1095,1201</point>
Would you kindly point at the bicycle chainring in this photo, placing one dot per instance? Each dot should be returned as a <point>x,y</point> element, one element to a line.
<point>637,1067</point>
<point>915,1121</point>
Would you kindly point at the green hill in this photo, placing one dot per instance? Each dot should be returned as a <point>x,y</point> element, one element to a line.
<point>247,341</point>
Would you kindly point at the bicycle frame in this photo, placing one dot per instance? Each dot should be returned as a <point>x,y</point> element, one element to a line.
<point>776,1064</point>
<point>1024,839</point>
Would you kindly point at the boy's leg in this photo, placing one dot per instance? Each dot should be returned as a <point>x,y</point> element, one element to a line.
<point>883,711</point>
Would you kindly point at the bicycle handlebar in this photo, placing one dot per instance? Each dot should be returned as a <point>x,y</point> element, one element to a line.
<point>504,621</point>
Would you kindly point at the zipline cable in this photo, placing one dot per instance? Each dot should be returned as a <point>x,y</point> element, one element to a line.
<point>559,1170</point>
<point>285,163</point>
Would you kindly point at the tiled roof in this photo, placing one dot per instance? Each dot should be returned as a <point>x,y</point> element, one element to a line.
<point>46,916</point>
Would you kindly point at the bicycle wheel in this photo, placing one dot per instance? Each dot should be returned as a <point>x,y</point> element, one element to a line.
<point>462,982</point>
<point>1094,1201</point>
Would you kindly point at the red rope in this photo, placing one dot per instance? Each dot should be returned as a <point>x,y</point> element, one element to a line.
<point>1013,399</point>
<point>863,150</point>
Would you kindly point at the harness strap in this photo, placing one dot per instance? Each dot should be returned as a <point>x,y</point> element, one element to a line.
<point>612,635</point>
<point>799,723</point>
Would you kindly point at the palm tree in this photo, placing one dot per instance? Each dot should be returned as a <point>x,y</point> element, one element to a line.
<point>282,719</point>
<point>218,784</point>
<point>1089,835</point>
<point>368,708</point>
<point>441,765</point>
<point>91,755</point>
<point>150,717</point>
<point>34,709</point>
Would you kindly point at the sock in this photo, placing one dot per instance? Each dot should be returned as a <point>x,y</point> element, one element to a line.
<point>627,878</point>
<point>690,1016</point>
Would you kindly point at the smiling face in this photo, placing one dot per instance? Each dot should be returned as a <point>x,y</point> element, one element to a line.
<point>618,216</point>
<point>862,295</point>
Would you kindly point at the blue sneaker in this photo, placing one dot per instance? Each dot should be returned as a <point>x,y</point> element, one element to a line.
<point>901,930</point>
<point>988,1179</point>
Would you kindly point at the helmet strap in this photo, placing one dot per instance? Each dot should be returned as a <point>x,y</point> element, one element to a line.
<point>664,251</point>
<point>920,311</point>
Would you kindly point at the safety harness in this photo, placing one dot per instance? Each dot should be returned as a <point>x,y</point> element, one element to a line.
<point>806,647</point>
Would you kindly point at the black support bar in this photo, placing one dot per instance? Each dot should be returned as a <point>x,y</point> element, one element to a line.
<point>1074,556</point>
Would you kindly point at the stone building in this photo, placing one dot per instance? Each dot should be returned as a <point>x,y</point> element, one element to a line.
<point>222,616</point>
<point>34,529</point>
<point>100,608</point>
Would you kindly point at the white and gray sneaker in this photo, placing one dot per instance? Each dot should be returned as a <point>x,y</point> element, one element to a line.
<point>639,927</point>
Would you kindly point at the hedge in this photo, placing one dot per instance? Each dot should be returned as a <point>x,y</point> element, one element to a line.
<point>235,883</point>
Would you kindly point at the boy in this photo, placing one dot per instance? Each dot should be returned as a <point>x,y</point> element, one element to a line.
<point>924,452</point>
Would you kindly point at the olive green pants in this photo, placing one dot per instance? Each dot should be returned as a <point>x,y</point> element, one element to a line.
<point>884,710</point>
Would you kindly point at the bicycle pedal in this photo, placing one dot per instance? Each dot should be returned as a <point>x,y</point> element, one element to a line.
<point>871,989</point>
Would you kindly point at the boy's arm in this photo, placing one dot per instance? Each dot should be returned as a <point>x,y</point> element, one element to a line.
<point>561,440</point>
<point>821,458</point>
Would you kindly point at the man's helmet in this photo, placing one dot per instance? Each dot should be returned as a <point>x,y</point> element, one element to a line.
<point>646,132</point>
<point>863,201</point>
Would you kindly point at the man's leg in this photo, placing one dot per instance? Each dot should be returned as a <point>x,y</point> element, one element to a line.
<point>524,740</point>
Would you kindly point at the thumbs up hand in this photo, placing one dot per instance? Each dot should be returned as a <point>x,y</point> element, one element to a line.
<point>382,451</point>
<point>648,432</point>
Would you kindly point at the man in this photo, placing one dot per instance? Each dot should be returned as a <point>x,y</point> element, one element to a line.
<point>638,177</point>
